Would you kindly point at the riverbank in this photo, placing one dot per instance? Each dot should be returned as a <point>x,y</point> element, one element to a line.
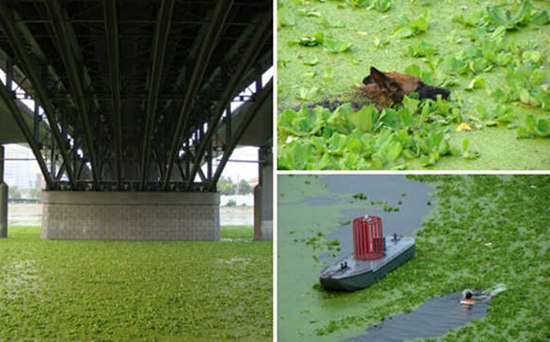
<point>30,214</point>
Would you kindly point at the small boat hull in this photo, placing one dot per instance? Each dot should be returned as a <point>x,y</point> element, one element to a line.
<point>349,274</point>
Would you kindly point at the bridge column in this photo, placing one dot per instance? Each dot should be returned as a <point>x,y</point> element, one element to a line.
<point>3,198</point>
<point>263,197</point>
<point>92,215</point>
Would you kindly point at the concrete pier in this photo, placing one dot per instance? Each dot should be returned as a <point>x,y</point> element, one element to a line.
<point>263,197</point>
<point>130,215</point>
<point>3,198</point>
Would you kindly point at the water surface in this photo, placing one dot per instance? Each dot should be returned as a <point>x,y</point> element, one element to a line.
<point>433,318</point>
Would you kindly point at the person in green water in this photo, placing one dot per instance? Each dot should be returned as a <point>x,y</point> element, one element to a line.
<point>467,298</point>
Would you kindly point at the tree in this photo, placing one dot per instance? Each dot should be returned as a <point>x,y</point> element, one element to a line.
<point>226,186</point>
<point>14,192</point>
<point>244,187</point>
<point>35,193</point>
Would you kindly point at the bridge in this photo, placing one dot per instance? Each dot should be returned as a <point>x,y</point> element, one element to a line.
<point>133,108</point>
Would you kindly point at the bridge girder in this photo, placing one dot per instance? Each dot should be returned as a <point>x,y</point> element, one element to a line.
<point>17,42</point>
<point>74,68</point>
<point>229,91</point>
<point>112,37</point>
<point>159,47</point>
<point>132,89</point>
<point>213,29</point>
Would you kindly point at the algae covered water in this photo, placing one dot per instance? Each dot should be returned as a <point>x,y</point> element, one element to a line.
<point>476,231</point>
<point>317,209</point>
<point>311,69</point>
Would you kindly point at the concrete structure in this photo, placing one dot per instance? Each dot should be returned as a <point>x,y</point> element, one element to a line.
<point>3,198</point>
<point>130,216</point>
<point>263,197</point>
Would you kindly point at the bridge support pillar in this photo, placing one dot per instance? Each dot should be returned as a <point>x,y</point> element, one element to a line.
<point>130,215</point>
<point>3,198</point>
<point>263,197</point>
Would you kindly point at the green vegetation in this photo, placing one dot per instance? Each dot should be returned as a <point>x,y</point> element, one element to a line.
<point>135,291</point>
<point>482,230</point>
<point>14,192</point>
<point>238,233</point>
<point>493,55</point>
<point>367,139</point>
<point>226,186</point>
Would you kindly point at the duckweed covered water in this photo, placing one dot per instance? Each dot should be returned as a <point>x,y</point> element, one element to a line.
<point>135,291</point>
<point>483,230</point>
<point>307,73</point>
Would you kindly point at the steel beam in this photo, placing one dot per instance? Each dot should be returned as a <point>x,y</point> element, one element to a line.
<point>6,96</point>
<point>160,39</point>
<point>250,54</point>
<point>208,42</point>
<point>113,51</point>
<point>261,97</point>
<point>74,70</point>
<point>18,44</point>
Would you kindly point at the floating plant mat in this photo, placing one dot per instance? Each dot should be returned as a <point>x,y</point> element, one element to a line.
<point>481,230</point>
<point>494,66</point>
<point>135,290</point>
<point>433,318</point>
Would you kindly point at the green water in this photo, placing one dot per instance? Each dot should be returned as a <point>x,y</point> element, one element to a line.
<point>482,231</point>
<point>340,73</point>
<point>135,291</point>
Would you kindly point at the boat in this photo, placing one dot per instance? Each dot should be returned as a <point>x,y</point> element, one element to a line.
<point>373,257</point>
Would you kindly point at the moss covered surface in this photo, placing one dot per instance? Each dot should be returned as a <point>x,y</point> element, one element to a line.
<point>308,74</point>
<point>482,231</point>
<point>134,291</point>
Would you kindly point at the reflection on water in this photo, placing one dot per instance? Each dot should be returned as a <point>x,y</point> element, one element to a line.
<point>433,318</point>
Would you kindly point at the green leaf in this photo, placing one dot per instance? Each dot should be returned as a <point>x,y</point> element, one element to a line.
<point>337,143</point>
<point>532,55</point>
<point>476,83</point>
<point>524,96</point>
<point>393,150</point>
<point>286,16</point>
<point>364,119</point>
<point>307,94</point>
<point>312,62</point>
<point>337,46</point>
<point>355,146</point>
<point>541,18</point>
<point>543,127</point>
<point>421,24</point>
<point>414,70</point>
<point>411,104</point>
<point>403,32</point>
<point>311,40</point>
<point>380,5</point>
<point>537,77</point>
<point>465,144</point>
<point>307,12</point>
<point>531,122</point>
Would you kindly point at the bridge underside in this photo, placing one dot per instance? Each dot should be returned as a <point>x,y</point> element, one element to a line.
<point>136,95</point>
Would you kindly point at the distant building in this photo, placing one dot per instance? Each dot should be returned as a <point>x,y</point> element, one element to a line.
<point>21,169</point>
